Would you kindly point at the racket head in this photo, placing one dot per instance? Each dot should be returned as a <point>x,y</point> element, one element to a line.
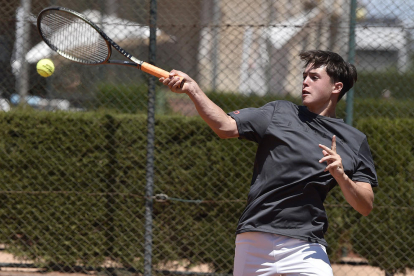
<point>73,36</point>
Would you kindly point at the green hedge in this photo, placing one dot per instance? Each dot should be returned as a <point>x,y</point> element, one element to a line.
<point>73,191</point>
<point>385,237</point>
<point>64,166</point>
<point>363,107</point>
<point>127,99</point>
<point>374,84</point>
<point>133,99</point>
<point>121,98</point>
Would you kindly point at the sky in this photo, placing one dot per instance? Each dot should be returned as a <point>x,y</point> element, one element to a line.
<point>403,9</point>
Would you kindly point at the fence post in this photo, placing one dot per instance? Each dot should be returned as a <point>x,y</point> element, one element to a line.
<point>351,59</point>
<point>22,43</point>
<point>150,144</point>
<point>216,42</point>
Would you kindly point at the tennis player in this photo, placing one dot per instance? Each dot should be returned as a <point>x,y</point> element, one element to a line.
<point>303,152</point>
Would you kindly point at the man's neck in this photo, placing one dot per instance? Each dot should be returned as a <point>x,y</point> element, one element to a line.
<point>327,110</point>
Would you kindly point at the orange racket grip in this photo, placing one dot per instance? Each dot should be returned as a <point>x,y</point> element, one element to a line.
<point>158,72</point>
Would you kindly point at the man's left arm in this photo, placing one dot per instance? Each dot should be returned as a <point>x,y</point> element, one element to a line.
<point>358,194</point>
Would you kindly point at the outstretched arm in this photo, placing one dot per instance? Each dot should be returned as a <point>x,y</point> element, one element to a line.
<point>222,124</point>
<point>358,194</point>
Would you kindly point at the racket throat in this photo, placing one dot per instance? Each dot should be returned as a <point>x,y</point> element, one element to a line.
<point>126,54</point>
<point>137,61</point>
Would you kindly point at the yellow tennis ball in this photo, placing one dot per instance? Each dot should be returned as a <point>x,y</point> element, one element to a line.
<point>45,67</point>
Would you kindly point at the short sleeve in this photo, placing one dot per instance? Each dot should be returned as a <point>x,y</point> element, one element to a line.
<point>252,123</point>
<point>365,171</point>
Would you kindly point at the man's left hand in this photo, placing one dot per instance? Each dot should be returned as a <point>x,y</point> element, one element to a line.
<point>333,159</point>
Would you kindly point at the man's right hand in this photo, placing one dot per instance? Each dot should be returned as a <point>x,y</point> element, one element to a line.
<point>175,80</point>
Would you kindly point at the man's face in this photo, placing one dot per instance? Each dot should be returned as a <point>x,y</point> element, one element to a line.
<point>317,88</point>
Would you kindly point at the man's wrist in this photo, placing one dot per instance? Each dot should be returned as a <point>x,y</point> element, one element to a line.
<point>342,178</point>
<point>193,92</point>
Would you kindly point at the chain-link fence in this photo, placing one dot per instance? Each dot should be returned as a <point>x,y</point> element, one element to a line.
<point>104,187</point>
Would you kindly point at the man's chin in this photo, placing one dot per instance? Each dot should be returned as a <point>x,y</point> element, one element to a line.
<point>305,103</point>
<point>306,100</point>
<point>308,104</point>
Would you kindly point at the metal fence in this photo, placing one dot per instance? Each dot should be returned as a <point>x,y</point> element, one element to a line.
<point>235,49</point>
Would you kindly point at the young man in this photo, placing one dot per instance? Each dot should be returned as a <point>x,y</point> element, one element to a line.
<point>281,231</point>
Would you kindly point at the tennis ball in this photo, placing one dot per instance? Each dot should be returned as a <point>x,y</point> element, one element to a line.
<point>45,67</point>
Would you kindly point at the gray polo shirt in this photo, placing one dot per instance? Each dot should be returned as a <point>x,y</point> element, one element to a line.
<point>289,184</point>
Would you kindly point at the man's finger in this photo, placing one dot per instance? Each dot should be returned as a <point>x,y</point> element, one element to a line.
<point>328,150</point>
<point>328,167</point>
<point>328,159</point>
<point>334,143</point>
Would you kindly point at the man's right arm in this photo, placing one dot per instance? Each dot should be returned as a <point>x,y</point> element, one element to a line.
<point>221,123</point>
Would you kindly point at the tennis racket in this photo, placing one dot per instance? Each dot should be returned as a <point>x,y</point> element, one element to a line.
<point>76,38</point>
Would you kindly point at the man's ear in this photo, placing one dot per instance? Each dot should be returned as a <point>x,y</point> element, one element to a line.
<point>337,87</point>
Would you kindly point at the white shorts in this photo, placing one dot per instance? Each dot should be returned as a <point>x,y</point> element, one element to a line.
<point>265,254</point>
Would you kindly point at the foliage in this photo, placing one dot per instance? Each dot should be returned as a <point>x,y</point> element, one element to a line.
<point>385,236</point>
<point>132,99</point>
<point>362,107</point>
<point>73,189</point>
<point>385,84</point>
<point>127,99</point>
<point>59,169</point>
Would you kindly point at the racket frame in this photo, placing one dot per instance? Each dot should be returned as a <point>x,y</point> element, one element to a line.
<point>134,62</point>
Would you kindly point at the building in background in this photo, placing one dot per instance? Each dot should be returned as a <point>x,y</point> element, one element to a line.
<point>255,48</point>
<point>226,45</point>
<point>382,43</point>
<point>266,38</point>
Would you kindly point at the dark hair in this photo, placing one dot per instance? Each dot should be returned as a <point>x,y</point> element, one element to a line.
<point>338,69</point>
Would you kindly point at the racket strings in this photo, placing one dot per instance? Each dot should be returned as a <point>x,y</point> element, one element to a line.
<point>73,38</point>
